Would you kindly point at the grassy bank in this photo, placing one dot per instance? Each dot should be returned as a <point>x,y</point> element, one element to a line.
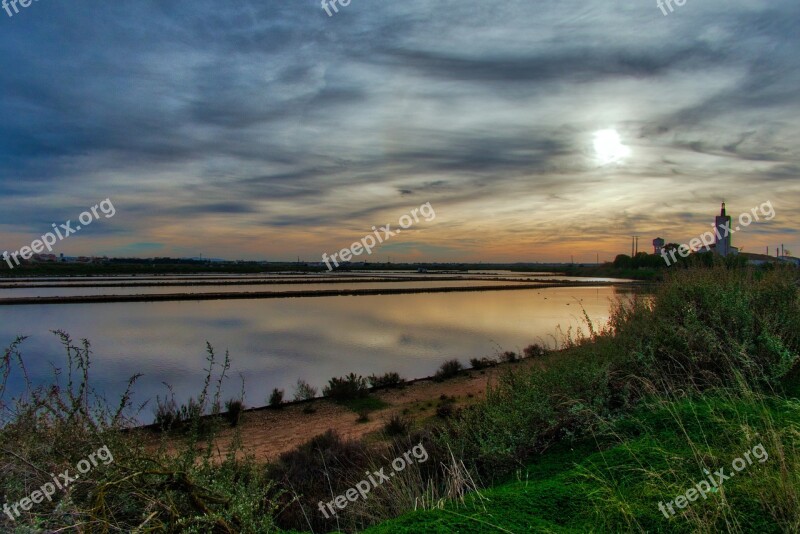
<point>633,416</point>
<point>624,418</point>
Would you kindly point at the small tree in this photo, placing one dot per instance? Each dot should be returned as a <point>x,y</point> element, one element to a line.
<point>276,398</point>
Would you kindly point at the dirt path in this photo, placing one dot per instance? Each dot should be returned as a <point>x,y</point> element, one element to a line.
<point>266,433</point>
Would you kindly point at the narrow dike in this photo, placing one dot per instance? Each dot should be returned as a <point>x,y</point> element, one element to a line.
<point>94,299</point>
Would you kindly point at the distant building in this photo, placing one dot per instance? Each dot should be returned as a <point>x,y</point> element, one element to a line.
<point>658,245</point>
<point>722,227</point>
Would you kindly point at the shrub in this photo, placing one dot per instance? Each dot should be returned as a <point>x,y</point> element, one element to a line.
<point>448,369</point>
<point>397,425</point>
<point>534,351</point>
<point>388,380</point>
<point>346,388</point>
<point>170,416</point>
<point>444,411</point>
<point>482,363</point>
<point>190,411</point>
<point>304,391</point>
<point>322,467</point>
<point>509,356</point>
<point>166,413</point>
<point>233,411</point>
<point>276,398</point>
<point>446,408</point>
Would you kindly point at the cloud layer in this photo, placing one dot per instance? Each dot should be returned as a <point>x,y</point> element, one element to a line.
<point>268,130</point>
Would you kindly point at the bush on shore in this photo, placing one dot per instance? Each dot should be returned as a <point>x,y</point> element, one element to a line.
<point>346,388</point>
<point>482,363</point>
<point>509,357</point>
<point>449,369</point>
<point>535,351</point>
<point>387,380</point>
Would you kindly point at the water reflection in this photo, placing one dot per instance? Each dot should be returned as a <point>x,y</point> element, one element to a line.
<point>275,342</point>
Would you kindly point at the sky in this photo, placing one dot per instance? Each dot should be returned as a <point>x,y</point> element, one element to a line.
<point>269,130</point>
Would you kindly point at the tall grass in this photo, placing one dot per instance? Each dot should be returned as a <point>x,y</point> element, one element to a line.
<point>683,380</point>
<point>702,329</point>
<point>172,482</point>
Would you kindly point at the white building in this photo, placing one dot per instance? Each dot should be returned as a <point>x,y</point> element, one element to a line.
<point>723,229</point>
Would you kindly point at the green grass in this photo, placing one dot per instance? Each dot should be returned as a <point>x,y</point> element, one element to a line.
<point>613,483</point>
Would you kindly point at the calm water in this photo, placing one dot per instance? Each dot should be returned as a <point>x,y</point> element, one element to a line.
<point>274,342</point>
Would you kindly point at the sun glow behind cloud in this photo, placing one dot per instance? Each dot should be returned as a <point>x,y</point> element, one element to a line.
<point>608,147</point>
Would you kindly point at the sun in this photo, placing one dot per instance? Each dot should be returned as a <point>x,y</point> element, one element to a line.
<point>609,148</point>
